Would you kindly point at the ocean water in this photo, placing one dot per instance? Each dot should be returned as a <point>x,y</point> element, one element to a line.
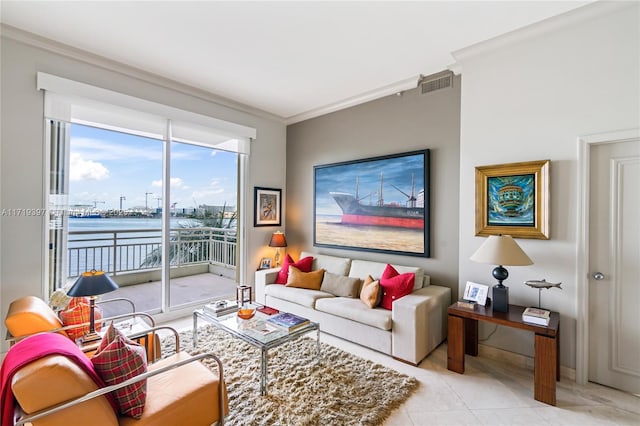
<point>119,223</point>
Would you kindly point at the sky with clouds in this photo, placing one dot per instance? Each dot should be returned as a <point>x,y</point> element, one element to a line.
<point>105,165</point>
<point>400,171</point>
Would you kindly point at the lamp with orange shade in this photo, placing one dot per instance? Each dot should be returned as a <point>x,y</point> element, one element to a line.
<point>278,240</point>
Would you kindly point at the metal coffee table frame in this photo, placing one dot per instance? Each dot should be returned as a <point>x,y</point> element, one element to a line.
<point>264,343</point>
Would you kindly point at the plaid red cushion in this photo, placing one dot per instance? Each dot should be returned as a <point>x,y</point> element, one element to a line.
<point>109,336</point>
<point>147,342</point>
<point>119,360</point>
<point>79,312</point>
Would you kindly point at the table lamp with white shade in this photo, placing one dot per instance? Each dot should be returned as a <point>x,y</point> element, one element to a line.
<point>501,250</point>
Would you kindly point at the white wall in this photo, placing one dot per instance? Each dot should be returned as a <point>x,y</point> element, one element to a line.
<point>528,96</point>
<point>22,151</point>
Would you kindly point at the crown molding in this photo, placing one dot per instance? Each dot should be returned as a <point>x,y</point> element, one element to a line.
<point>456,68</point>
<point>396,88</point>
<point>34,40</point>
<point>589,11</point>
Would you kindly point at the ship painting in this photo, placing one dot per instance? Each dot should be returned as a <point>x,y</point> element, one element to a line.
<point>355,212</point>
<point>376,204</point>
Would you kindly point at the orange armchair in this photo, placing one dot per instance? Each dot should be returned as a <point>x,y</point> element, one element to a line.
<point>180,390</point>
<point>30,315</point>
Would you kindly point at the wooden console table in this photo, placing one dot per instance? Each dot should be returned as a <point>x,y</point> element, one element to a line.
<point>463,339</point>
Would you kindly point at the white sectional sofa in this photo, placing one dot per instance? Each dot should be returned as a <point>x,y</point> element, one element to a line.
<point>415,326</point>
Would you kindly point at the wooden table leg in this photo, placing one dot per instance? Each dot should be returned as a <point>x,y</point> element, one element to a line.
<point>455,344</point>
<point>558,353</point>
<point>545,369</point>
<point>471,337</point>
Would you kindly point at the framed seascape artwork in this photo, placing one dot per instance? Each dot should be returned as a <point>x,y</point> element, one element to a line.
<point>513,199</point>
<point>268,207</point>
<point>376,204</point>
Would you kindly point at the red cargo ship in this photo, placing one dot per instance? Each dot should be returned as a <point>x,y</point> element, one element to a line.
<point>392,215</point>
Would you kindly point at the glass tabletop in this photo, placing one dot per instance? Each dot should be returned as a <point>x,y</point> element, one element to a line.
<point>257,329</point>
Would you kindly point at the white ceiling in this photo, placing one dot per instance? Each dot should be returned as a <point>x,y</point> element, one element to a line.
<point>291,59</point>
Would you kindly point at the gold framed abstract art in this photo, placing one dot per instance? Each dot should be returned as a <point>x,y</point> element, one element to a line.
<point>513,199</point>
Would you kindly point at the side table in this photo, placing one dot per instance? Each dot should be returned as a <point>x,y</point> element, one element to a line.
<point>463,339</point>
<point>130,327</point>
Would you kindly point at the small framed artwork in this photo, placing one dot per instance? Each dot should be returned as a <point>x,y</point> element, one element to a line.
<point>268,207</point>
<point>265,263</point>
<point>513,199</point>
<point>477,293</point>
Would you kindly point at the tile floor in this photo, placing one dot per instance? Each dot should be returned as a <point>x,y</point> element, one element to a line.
<point>188,289</point>
<point>493,391</point>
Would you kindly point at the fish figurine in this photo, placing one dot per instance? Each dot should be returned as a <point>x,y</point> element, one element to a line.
<point>542,284</point>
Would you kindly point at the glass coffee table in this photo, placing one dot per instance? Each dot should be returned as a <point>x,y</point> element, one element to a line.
<point>257,332</point>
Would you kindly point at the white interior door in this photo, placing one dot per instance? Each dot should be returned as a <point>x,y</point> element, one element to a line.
<point>614,265</point>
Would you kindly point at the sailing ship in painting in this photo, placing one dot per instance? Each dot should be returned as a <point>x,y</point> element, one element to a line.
<point>355,212</point>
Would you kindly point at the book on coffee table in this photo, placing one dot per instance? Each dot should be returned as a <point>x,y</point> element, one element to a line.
<point>287,321</point>
<point>267,310</point>
<point>221,308</point>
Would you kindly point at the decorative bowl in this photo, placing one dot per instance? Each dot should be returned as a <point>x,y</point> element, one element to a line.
<point>246,313</point>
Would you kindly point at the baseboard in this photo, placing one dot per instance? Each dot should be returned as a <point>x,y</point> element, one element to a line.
<point>520,360</point>
<point>405,361</point>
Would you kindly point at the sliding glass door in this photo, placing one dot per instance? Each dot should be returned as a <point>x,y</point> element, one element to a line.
<point>108,212</point>
<point>113,225</point>
<point>145,191</point>
<point>203,210</point>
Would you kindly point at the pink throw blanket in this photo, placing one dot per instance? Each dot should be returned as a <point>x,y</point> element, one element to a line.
<point>31,349</point>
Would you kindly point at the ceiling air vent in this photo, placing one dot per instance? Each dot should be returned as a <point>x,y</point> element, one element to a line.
<point>434,82</point>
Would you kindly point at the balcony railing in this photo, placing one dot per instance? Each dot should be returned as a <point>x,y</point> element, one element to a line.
<point>118,251</point>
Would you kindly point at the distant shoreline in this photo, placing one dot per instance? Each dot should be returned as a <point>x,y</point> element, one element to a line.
<point>121,223</point>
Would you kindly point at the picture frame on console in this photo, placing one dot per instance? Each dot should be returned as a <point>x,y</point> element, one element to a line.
<point>477,293</point>
<point>513,199</point>
<point>379,204</point>
<point>265,263</point>
<point>268,206</point>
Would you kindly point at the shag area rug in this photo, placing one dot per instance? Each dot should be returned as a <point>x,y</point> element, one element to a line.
<point>342,389</point>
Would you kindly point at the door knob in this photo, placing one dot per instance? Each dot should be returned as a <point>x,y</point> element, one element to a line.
<point>598,276</point>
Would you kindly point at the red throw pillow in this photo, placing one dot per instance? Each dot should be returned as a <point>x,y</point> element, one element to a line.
<point>79,312</point>
<point>389,272</point>
<point>303,264</point>
<point>117,360</point>
<point>394,286</point>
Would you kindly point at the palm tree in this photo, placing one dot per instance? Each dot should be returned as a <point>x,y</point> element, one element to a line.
<point>191,242</point>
